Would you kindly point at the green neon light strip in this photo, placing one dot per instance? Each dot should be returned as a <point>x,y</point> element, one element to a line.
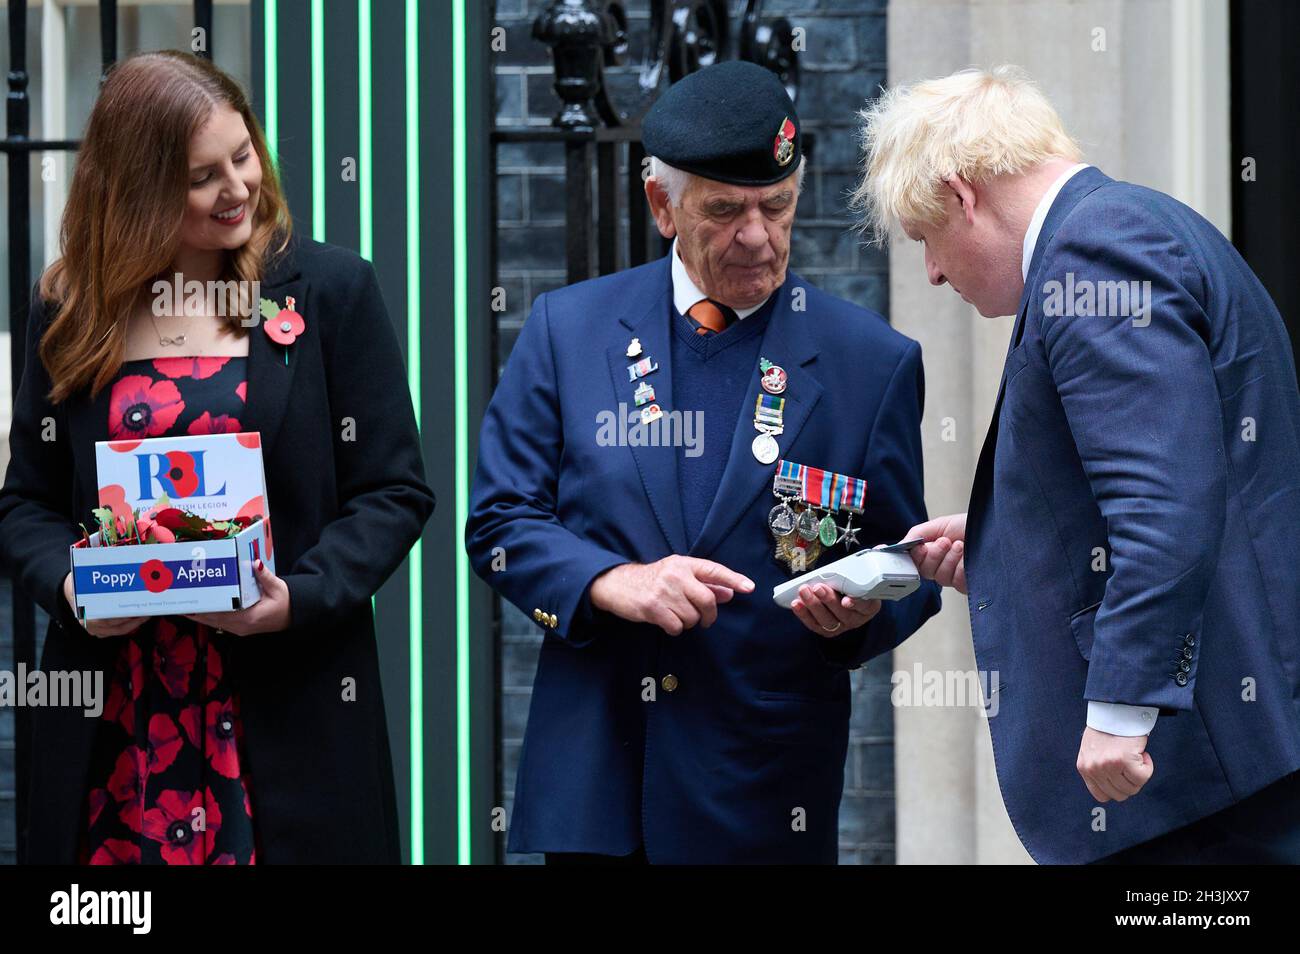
<point>460,312</point>
<point>416,561</point>
<point>270,18</point>
<point>318,120</point>
<point>365,181</point>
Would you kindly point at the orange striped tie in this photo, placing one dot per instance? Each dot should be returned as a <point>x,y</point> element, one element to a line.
<point>711,318</point>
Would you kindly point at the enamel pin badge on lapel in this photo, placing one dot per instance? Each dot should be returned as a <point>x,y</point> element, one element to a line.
<point>774,376</point>
<point>641,368</point>
<point>282,325</point>
<point>768,410</point>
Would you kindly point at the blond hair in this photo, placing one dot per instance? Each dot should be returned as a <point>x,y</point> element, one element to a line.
<point>975,124</point>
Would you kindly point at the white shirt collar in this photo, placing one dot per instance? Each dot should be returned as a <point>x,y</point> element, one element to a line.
<point>1040,215</point>
<point>686,294</point>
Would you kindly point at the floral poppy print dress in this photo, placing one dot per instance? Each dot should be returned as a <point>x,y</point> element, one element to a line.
<point>168,780</point>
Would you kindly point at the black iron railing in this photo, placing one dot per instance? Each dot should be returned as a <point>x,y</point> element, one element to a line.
<point>585,37</point>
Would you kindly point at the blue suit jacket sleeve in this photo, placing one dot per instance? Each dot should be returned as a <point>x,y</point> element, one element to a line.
<point>895,503</point>
<point>1140,397</point>
<point>514,535</point>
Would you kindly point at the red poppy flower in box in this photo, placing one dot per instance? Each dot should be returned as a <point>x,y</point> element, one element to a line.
<point>282,325</point>
<point>149,530</point>
<point>141,407</point>
<point>156,576</point>
<point>181,474</point>
<point>113,496</point>
<point>173,821</point>
<point>170,517</point>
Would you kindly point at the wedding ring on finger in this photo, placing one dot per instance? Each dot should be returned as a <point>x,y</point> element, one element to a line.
<point>832,629</point>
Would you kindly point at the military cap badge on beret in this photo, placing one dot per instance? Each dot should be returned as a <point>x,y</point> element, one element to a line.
<point>731,122</point>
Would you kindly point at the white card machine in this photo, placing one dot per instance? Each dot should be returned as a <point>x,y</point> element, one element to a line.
<point>884,574</point>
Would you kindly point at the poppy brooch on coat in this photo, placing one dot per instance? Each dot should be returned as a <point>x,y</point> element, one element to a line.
<point>282,325</point>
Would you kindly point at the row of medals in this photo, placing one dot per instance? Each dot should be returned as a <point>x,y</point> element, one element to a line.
<point>800,532</point>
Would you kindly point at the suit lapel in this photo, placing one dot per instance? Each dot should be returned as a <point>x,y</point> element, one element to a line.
<point>984,468</point>
<point>744,477</point>
<point>656,465</point>
<point>269,377</point>
<point>1079,185</point>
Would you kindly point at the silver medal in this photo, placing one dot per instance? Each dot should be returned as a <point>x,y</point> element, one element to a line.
<point>765,449</point>
<point>780,520</point>
<point>807,525</point>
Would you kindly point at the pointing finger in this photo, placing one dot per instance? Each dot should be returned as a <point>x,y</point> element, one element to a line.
<point>706,571</point>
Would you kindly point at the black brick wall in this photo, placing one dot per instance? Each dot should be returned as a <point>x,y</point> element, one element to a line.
<point>843,64</point>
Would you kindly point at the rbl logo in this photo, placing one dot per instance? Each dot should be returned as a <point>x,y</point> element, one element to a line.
<point>178,474</point>
<point>155,575</point>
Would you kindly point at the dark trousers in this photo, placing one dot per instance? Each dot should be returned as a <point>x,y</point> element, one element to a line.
<point>575,858</point>
<point>1263,829</point>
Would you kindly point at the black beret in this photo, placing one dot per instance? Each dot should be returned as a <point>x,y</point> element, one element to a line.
<point>732,122</point>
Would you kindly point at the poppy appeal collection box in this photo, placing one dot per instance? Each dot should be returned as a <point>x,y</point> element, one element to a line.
<point>216,476</point>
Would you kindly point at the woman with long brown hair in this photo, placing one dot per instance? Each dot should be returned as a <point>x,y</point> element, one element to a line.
<point>257,734</point>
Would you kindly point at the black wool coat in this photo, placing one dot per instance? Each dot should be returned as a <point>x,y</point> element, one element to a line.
<point>344,513</point>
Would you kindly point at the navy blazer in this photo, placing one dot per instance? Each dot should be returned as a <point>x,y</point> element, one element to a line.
<point>1131,523</point>
<point>752,739</point>
<point>345,512</point>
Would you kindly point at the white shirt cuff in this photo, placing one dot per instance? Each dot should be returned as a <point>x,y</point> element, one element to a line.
<point>1115,718</point>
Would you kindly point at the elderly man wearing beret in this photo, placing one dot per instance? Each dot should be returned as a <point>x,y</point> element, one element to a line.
<point>666,445</point>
